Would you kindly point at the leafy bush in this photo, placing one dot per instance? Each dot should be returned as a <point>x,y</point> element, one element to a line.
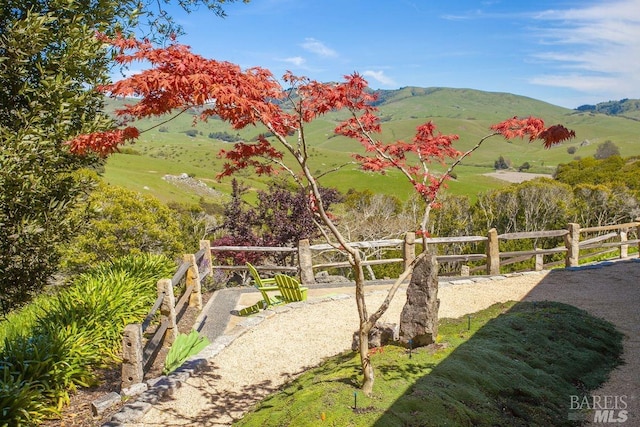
<point>80,330</point>
<point>22,402</point>
<point>185,346</point>
<point>502,163</point>
<point>118,222</point>
<point>606,150</point>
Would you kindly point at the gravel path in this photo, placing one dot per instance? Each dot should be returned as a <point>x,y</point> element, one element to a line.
<point>301,335</point>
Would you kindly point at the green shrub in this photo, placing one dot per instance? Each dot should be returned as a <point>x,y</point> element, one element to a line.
<point>107,298</point>
<point>74,332</point>
<point>185,346</point>
<point>22,402</point>
<point>55,363</point>
<point>120,222</point>
<point>21,321</point>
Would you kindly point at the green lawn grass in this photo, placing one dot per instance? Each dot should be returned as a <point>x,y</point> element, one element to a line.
<point>511,364</point>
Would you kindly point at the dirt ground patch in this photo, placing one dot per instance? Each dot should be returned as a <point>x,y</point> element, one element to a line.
<point>516,177</point>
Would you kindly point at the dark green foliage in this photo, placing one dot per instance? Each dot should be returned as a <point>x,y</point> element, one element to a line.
<point>225,136</point>
<point>76,332</point>
<point>501,163</point>
<point>624,107</point>
<point>524,167</point>
<point>191,132</point>
<point>48,58</point>
<point>23,402</point>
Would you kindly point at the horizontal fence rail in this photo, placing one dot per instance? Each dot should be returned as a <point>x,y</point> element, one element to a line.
<point>492,258</point>
<point>139,354</point>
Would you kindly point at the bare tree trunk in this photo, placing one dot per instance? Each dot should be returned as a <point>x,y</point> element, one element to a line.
<point>365,361</point>
<point>365,327</point>
<point>368,322</point>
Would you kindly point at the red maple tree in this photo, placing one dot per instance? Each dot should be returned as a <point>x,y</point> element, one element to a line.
<point>179,79</point>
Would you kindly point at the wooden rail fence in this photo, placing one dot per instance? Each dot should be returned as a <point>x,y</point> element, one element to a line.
<point>615,239</point>
<point>139,354</point>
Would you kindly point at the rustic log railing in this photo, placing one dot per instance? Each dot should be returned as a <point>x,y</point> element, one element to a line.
<point>615,240</point>
<point>138,354</point>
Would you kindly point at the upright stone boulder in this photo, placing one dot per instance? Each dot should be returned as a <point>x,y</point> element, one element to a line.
<point>419,317</point>
<point>380,335</point>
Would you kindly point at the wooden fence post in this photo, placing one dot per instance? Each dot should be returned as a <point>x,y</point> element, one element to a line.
<point>168,309</point>
<point>539,261</point>
<point>409,248</point>
<point>493,252</point>
<point>638,235</point>
<point>193,278</point>
<point>306,262</point>
<point>624,249</point>
<point>207,259</point>
<point>572,243</point>
<point>132,360</point>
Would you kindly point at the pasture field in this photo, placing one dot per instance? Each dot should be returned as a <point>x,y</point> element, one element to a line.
<point>167,147</point>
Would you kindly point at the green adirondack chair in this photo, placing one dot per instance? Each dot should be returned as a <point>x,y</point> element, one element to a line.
<point>290,288</point>
<point>265,286</point>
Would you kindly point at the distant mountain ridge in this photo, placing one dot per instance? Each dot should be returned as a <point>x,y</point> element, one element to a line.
<point>629,108</point>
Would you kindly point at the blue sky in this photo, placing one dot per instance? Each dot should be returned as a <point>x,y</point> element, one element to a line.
<point>565,52</point>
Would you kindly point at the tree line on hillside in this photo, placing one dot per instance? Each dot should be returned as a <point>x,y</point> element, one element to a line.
<point>613,108</point>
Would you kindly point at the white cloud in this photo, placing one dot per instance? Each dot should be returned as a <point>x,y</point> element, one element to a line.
<point>319,48</point>
<point>594,48</point>
<point>298,61</point>
<point>576,81</point>
<point>380,77</point>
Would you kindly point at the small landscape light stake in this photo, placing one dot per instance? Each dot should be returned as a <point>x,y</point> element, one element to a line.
<point>410,347</point>
<point>355,400</point>
<point>469,322</point>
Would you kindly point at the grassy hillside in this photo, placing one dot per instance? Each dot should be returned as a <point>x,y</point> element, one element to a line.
<point>168,149</point>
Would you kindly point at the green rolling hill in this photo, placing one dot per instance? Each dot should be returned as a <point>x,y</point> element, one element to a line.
<point>176,146</point>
